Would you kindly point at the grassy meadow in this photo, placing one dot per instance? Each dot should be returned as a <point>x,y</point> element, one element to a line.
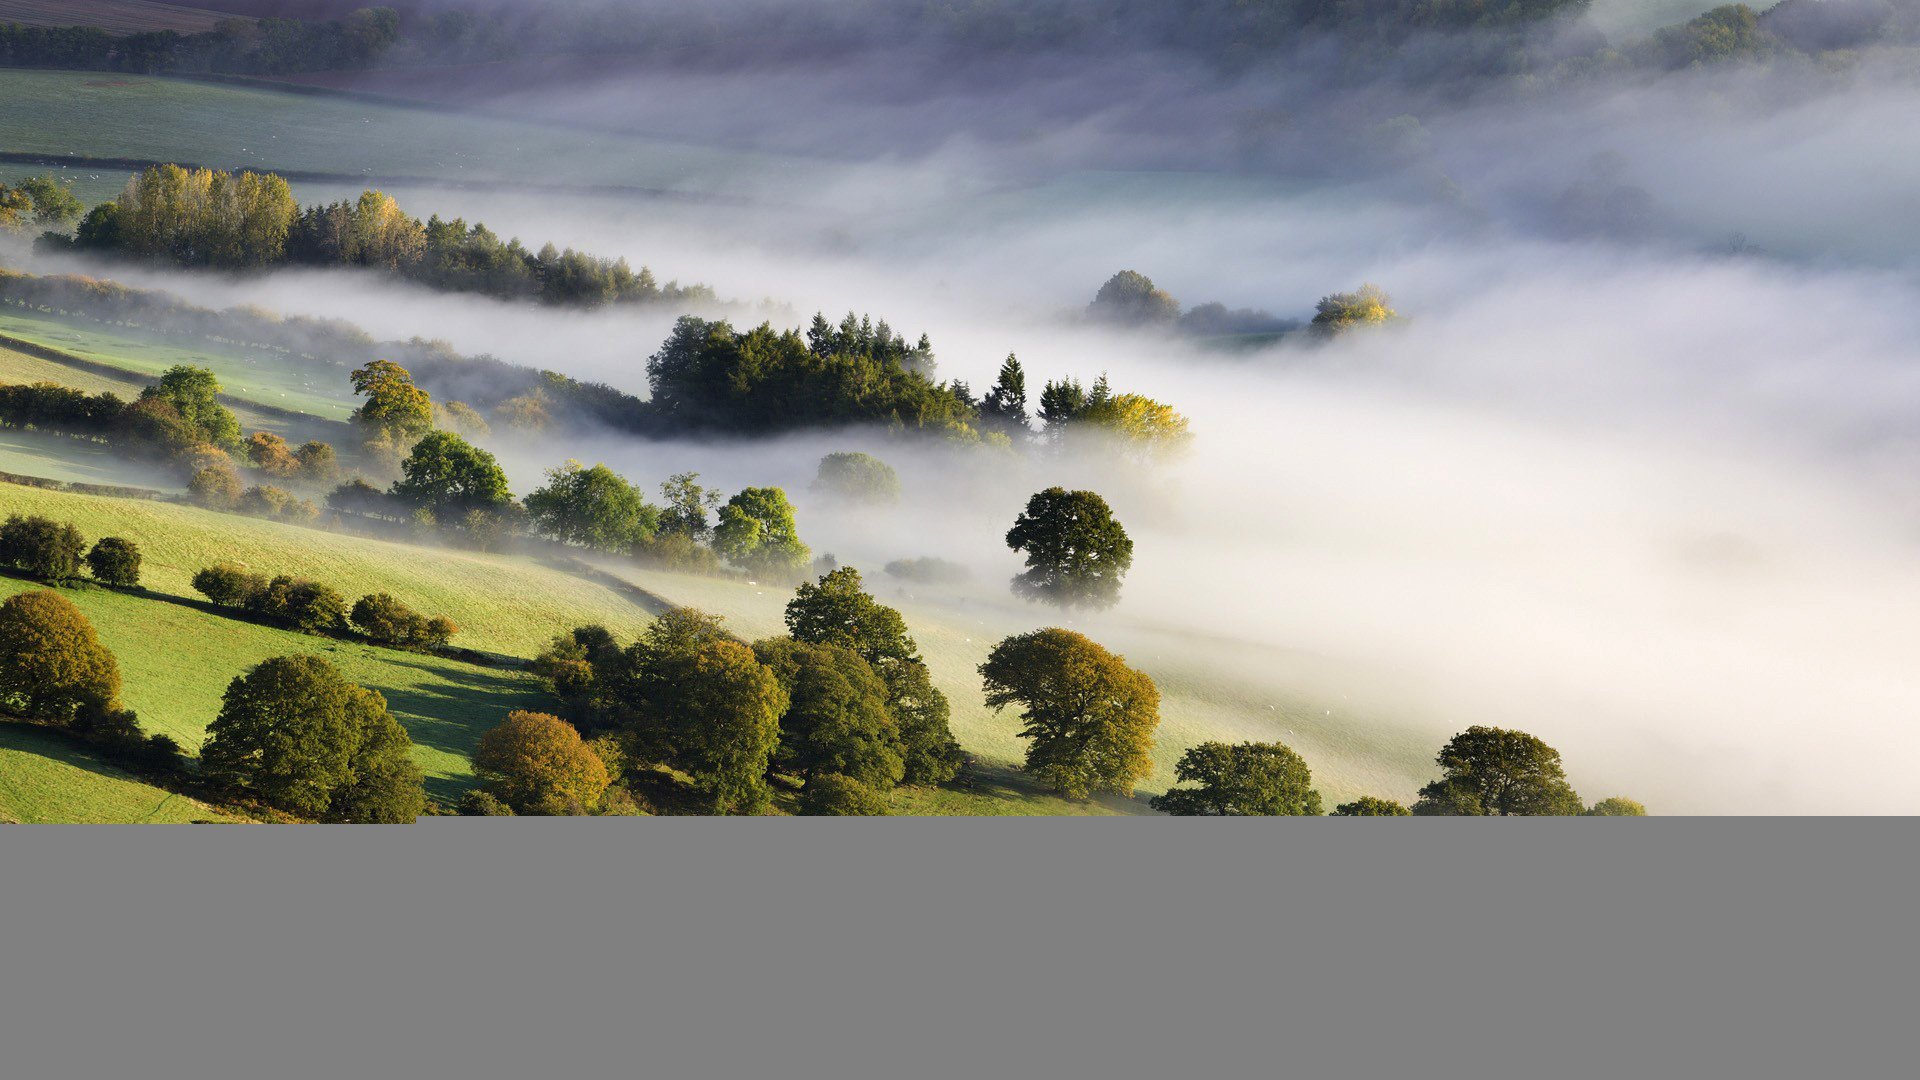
<point>94,114</point>
<point>47,778</point>
<point>320,390</point>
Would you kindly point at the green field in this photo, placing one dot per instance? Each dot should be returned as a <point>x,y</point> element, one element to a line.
<point>270,379</point>
<point>92,114</point>
<point>117,16</point>
<point>74,461</point>
<point>46,778</point>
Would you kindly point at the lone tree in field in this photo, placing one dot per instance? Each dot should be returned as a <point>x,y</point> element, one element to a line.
<point>52,665</point>
<point>115,561</point>
<point>1370,806</point>
<point>1090,716</point>
<point>1244,780</point>
<point>1490,772</point>
<point>757,532</point>
<point>1077,551</point>
<point>42,547</point>
<point>1615,807</point>
<point>538,764</point>
<point>857,478</point>
<point>836,610</point>
<point>837,721</point>
<point>294,733</point>
<point>1129,298</point>
<point>448,476</point>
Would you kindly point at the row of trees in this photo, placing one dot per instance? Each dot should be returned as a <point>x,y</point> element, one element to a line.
<point>213,218</point>
<point>240,46</point>
<point>55,671</point>
<point>54,551</point>
<point>1485,772</point>
<point>318,609</point>
<point>37,201</point>
<point>842,708</point>
<point>1130,299</point>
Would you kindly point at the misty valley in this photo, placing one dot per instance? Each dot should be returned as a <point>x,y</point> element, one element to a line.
<point>618,408</point>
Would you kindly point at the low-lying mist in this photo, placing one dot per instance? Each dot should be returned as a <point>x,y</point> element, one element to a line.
<point>1614,478</point>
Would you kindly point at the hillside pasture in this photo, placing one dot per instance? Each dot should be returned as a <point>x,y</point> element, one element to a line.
<point>45,777</point>
<point>248,377</point>
<point>113,16</point>
<point>89,115</point>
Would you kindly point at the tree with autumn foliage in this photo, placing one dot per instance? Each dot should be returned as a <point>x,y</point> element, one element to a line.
<point>1090,717</point>
<point>52,665</point>
<point>538,764</point>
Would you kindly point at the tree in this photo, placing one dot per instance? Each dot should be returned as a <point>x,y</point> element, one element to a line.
<point>447,476</point>
<point>757,532</point>
<point>195,393</point>
<point>228,585</point>
<point>1130,298</point>
<point>1245,780</point>
<point>1090,716</point>
<point>216,487</point>
<point>42,547</point>
<point>1490,771</point>
<point>687,504</point>
<point>1616,806</point>
<point>1077,551</point>
<point>730,726</point>
<point>837,720</point>
<point>1340,312</point>
<point>270,454</point>
<point>115,561</point>
<point>538,764</point>
<point>296,734</point>
<point>593,508</point>
<point>1004,409</point>
<point>395,408</point>
<point>1142,425</point>
<point>857,477</point>
<point>316,462</point>
<point>1369,806</point>
<point>384,786</point>
<point>840,796</point>
<point>388,621</point>
<point>52,665</point>
<point>838,611</point>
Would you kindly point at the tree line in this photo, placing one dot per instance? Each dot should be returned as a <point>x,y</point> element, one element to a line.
<point>236,46</point>
<point>246,221</point>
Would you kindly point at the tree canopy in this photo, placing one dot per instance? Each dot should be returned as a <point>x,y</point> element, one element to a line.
<point>1244,780</point>
<point>1077,551</point>
<point>295,733</point>
<point>449,476</point>
<point>52,665</point>
<point>837,720</point>
<point>757,533</point>
<point>1090,716</point>
<point>593,508</point>
<point>537,764</point>
<point>1489,771</point>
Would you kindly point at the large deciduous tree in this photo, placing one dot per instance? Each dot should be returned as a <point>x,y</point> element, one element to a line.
<point>837,720</point>
<point>395,408</point>
<point>295,733</point>
<point>1241,780</point>
<point>757,532</point>
<point>1077,551</point>
<point>1489,771</point>
<point>1090,717</point>
<point>836,610</point>
<point>52,665</point>
<point>195,393</point>
<point>593,508</point>
<point>1130,298</point>
<point>449,476</point>
<point>538,764</point>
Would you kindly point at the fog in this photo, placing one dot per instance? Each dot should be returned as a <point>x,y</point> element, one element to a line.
<point>1633,473</point>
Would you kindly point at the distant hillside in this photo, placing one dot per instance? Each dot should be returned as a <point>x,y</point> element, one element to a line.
<point>117,16</point>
